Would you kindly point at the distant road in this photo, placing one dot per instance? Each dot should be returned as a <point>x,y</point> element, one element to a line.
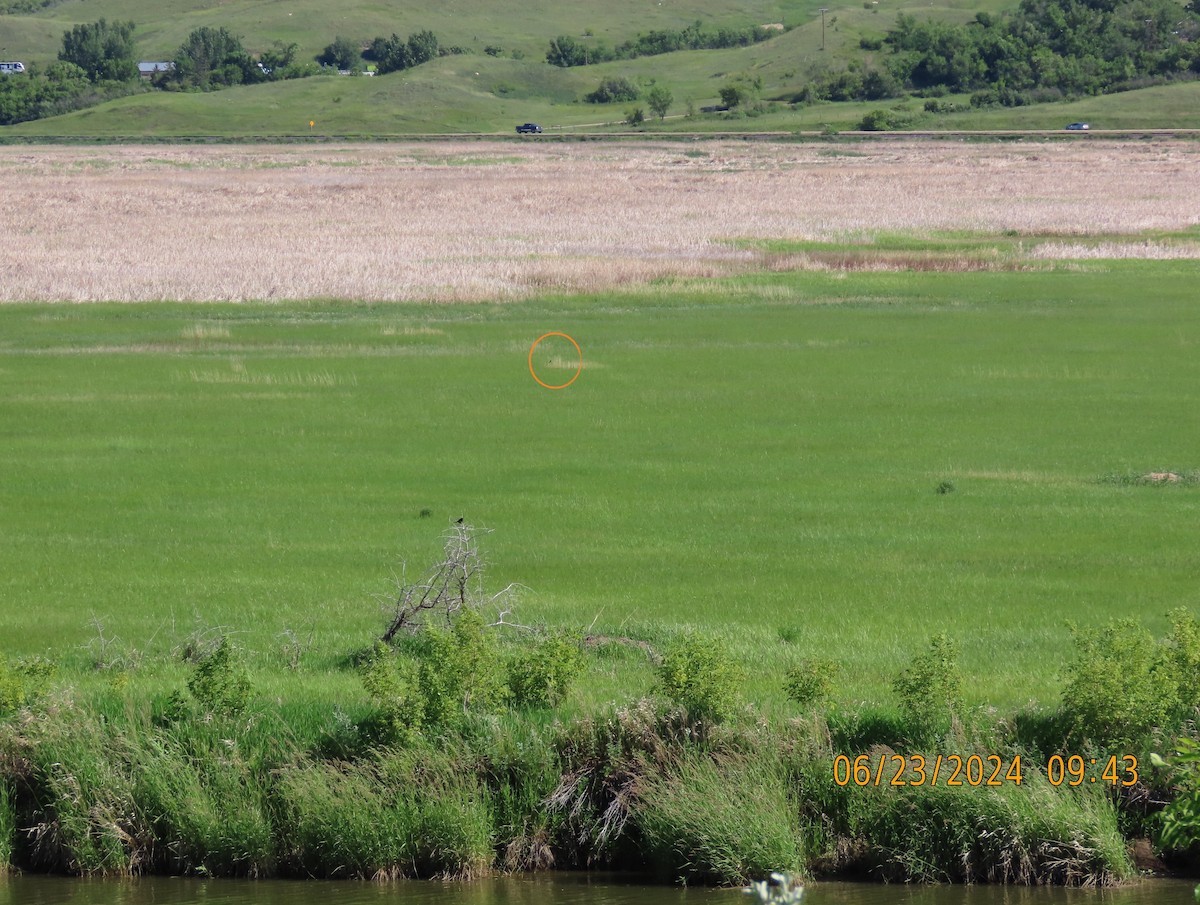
<point>570,133</point>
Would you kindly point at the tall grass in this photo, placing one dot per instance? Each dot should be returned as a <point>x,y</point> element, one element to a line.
<point>585,225</point>
<point>723,819</point>
<point>404,813</point>
<point>1031,833</point>
<point>8,826</point>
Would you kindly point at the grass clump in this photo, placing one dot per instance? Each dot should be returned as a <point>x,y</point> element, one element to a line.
<point>203,803</point>
<point>1026,834</point>
<point>412,812</point>
<point>720,819</point>
<point>8,827</point>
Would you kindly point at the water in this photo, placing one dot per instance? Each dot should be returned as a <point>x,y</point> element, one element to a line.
<point>559,889</point>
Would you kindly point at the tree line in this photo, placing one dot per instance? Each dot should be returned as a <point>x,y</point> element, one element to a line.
<point>569,51</point>
<point>98,62</point>
<point>1046,50</point>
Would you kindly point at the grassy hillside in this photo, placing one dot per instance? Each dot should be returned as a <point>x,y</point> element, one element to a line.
<point>481,93</point>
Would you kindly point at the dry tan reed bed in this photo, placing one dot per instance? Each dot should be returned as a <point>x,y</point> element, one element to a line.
<point>484,221</point>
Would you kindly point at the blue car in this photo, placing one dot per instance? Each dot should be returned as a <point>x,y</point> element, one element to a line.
<point>529,129</point>
<point>1077,127</point>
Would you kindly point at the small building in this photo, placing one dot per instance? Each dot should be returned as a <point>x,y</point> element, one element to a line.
<point>149,69</point>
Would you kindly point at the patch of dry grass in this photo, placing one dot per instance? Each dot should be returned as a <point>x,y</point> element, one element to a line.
<point>390,222</point>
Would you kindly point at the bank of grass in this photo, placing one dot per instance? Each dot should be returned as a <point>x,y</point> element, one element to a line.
<point>835,463</point>
<point>638,787</point>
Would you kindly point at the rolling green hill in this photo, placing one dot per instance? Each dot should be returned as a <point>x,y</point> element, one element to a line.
<point>477,92</point>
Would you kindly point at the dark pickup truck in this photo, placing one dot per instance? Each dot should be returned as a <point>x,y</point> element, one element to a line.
<point>529,129</point>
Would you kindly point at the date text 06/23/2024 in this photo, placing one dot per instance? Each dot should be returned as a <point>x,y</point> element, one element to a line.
<point>979,770</point>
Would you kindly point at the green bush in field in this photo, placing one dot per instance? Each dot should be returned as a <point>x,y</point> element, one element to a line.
<point>23,681</point>
<point>393,685</point>
<point>811,681</point>
<point>220,683</point>
<point>930,690</point>
<point>459,670</point>
<point>1123,683</point>
<point>541,676</point>
<point>614,89</point>
<point>1180,821</point>
<point>700,675</point>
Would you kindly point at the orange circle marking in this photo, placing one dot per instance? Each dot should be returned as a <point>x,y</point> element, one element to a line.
<point>578,369</point>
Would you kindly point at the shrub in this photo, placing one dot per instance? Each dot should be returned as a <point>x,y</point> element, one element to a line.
<point>659,99</point>
<point>1180,822</point>
<point>220,683</point>
<point>635,116</point>
<point>930,690</point>
<point>699,674</point>
<point>540,677</point>
<point>876,121</point>
<point>458,670</point>
<point>393,685</point>
<point>1123,683</point>
<point>614,89</point>
<point>811,681</point>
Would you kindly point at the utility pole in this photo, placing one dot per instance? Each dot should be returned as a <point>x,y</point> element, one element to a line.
<point>824,10</point>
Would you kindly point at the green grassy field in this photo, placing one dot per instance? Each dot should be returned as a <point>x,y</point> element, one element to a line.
<point>756,458</point>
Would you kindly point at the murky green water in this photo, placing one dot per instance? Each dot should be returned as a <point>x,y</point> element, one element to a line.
<point>542,890</point>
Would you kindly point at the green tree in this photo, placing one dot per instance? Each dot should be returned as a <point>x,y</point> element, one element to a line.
<point>103,49</point>
<point>277,59</point>
<point>733,95</point>
<point>659,100</point>
<point>422,47</point>
<point>212,58</point>
<point>342,53</point>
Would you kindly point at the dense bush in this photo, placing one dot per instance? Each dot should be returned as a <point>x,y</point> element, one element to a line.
<point>212,58</point>
<point>614,89</point>
<point>930,690</point>
<point>810,681</point>
<point>1180,822</point>
<point>541,675</point>
<point>395,53</point>
<point>700,675</point>
<point>1123,683</point>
